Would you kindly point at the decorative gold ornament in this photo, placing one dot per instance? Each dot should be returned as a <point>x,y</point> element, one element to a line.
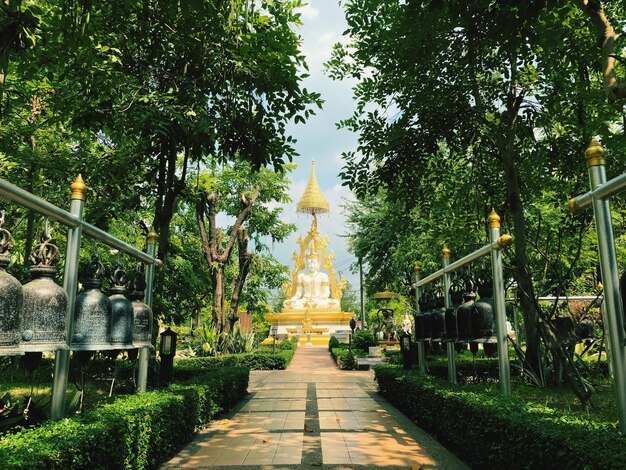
<point>312,201</point>
<point>494,219</point>
<point>573,205</point>
<point>417,268</point>
<point>152,236</point>
<point>385,295</point>
<point>594,154</point>
<point>79,188</point>
<point>505,240</point>
<point>445,252</point>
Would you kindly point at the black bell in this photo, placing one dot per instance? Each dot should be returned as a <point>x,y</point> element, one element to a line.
<point>418,319</point>
<point>437,319</point>
<point>92,315</point>
<point>464,311</point>
<point>121,335</point>
<point>586,330</point>
<point>11,299</point>
<point>483,311</point>
<point>142,314</point>
<point>456,297</point>
<point>45,303</point>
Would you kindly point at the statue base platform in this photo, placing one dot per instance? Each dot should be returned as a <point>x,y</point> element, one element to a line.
<point>313,327</point>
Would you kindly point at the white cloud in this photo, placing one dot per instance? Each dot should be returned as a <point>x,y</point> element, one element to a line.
<point>308,12</point>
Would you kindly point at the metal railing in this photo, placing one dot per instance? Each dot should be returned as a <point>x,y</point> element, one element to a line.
<point>598,198</point>
<point>497,243</point>
<point>73,220</point>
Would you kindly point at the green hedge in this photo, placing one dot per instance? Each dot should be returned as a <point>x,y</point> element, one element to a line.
<point>492,431</point>
<point>262,360</point>
<point>136,432</point>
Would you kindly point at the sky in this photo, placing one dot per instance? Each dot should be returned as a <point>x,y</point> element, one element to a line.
<point>320,140</point>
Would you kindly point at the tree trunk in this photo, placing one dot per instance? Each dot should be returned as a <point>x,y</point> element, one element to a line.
<point>521,272</point>
<point>245,260</point>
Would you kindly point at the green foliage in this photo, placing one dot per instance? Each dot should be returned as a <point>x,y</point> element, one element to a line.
<point>363,339</point>
<point>487,429</point>
<point>333,342</point>
<point>344,359</point>
<point>138,431</point>
<point>263,359</point>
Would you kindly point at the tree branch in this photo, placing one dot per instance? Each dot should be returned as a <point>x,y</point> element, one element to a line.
<point>595,11</point>
<point>247,203</point>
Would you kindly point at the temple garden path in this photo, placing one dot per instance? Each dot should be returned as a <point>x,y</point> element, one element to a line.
<point>313,415</point>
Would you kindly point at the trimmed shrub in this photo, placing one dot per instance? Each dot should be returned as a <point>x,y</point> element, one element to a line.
<point>138,431</point>
<point>363,339</point>
<point>333,342</point>
<point>254,361</point>
<point>492,431</point>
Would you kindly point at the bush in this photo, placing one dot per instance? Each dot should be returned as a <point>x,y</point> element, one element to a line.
<point>363,339</point>
<point>138,431</point>
<point>333,342</point>
<point>492,431</point>
<point>261,360</point>
<point>344,358</point>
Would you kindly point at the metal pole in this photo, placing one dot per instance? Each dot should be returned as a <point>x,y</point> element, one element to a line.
<point>362,293</point>
<point>446,302</point>
<point>144,353</point>
<point>70,285</point>
<point>421,350</point>
<point>608,267</point>
<point>498,291</point>
<point>607,346</point>
<point>603,191</point>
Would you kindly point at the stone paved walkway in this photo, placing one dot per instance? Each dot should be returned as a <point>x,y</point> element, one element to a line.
<point>313,415</point>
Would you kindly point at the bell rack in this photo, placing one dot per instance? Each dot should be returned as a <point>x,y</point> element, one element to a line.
<point>73,220</point>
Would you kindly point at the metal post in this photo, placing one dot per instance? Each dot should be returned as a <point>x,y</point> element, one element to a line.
<point>362,294</point>
<point>498,291</point>
<point>70,285</point>
<point>421,350</point>
<point>446,302</point>
<point>607,346</point>
<point>144,353</point>
<point>608,267</point>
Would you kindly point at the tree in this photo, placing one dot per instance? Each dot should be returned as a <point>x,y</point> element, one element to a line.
<point>480,98</point>
<point>268,186</point>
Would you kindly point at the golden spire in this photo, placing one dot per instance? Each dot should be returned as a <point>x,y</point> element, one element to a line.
<point>79,188</point>
<point>594,154</point>
<point>494,219</point>
<point>312,201</point>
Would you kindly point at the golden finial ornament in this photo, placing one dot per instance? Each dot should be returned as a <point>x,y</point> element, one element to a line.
<point>79,188</point>
<point>417,268</point>
<point>152,236</point>
<point>594,154</point>
<point>445,252</point>
<point>494,219</point>
<point>572,205</point>
<point>312,201</point>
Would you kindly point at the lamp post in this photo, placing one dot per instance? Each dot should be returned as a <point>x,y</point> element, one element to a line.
<point>352,327</point>
<point>167,351</point>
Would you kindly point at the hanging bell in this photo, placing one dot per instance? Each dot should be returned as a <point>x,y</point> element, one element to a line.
<point>456,297</point>
<point>142,329</point>
<point>419,318</point>
<point>45,303</point>
<point>437,319</point>
<point>586,330</point>
<point>11,299</point>
<point>464,311</point>
<point>483,311</point>
<point>92,315</point>
<point>121,334</point>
